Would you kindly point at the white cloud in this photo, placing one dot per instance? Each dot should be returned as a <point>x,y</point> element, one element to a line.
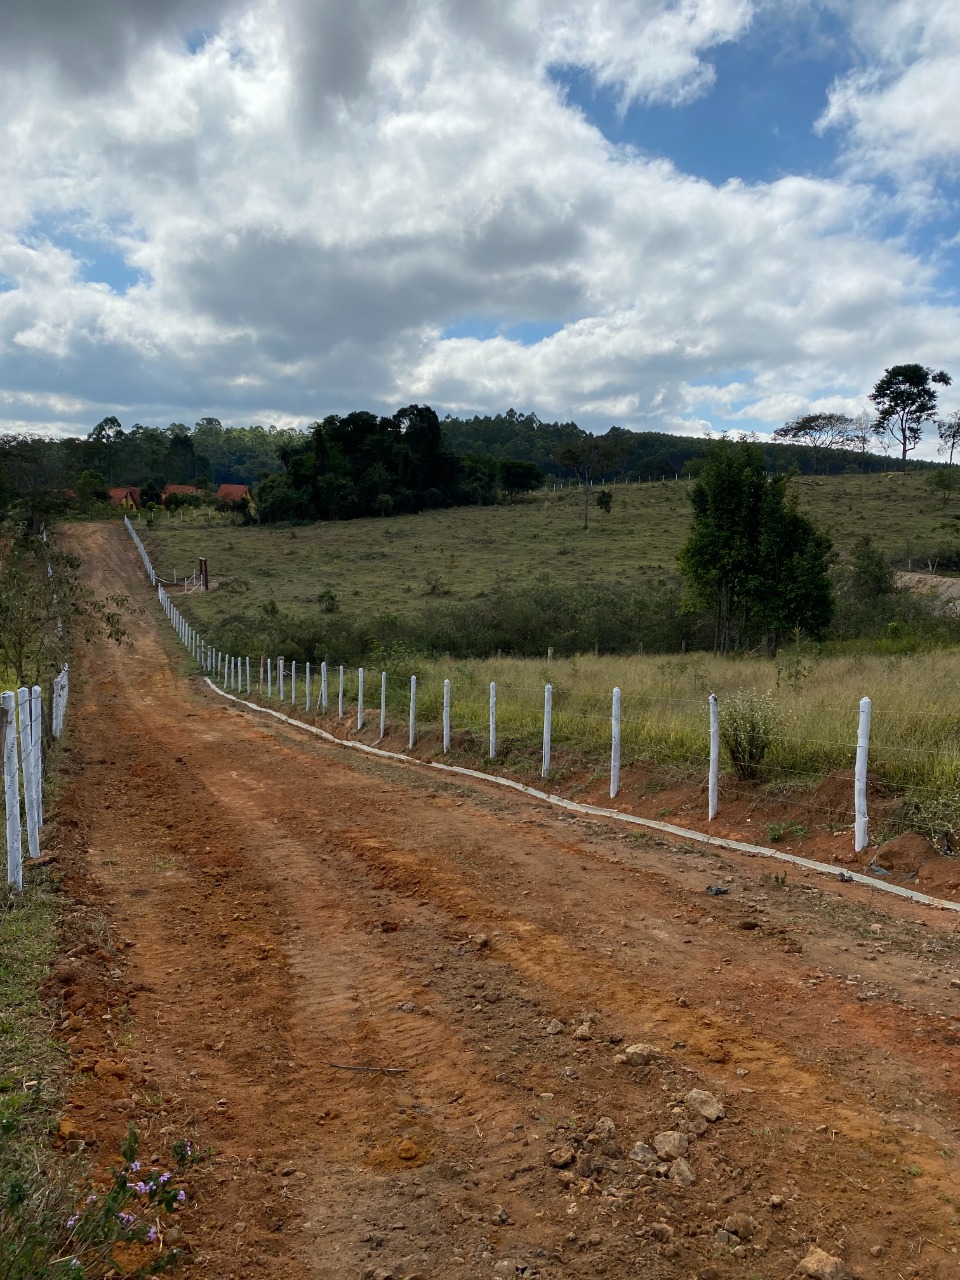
<point>314,196</point>
<point>901,108</point>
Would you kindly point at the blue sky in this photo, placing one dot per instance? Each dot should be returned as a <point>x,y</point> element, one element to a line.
<point>680,216</point>
<point>757,121</point>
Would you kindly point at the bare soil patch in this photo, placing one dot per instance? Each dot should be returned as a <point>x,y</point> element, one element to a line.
<point>278,912</point>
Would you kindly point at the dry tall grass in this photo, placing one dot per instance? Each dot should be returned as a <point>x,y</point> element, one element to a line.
<point>915,739</point>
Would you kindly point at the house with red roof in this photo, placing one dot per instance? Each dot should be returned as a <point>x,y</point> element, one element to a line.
<point>127,497</point>
<point>184,490</point>
<point>232,493</point>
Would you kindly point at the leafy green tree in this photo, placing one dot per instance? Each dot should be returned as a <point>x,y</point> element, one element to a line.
<point>819,431</point>
<point>605,501</point>
<point>906,398</point>
<point>518,476</point>
<point>871,573</point>
<point>92,486</point>
<point>752,559</point>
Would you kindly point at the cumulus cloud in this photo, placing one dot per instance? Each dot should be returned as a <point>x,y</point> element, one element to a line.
<point>900,109</point>
<point>306,198</point>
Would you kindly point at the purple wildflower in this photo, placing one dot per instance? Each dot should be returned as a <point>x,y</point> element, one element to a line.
<point>135,1167</point>
<point>152,1234</point>
<point>181,1197</point>
<point>72,1222</point>
<point>141,1188</point>
<point>91,1199</point>
<point>128,1219</point>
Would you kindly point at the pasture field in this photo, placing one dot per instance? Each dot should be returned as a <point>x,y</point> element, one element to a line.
<point>400,564</point>
<point>462,553</point>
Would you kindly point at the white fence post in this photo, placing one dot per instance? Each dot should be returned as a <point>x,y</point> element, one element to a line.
<point>340,696</point>
<point>323,687</point>
<point>26,765</point>
<point>413,712</point>
<point>293,682</point>
<point>547,728</point>
<point>260,682</point>
<point>493,719</point>
<point>36,746</point>
<point>280,675</point>
<point>861,833</point>
<point>712,785</point>
<point>383,705</point>
<point>360,698</point>
<point>269,677</point>
<point>248,677</point>
<point>446,715</point>
<point>11,792</point>
<point>306,693</point>
<point>615,745</point>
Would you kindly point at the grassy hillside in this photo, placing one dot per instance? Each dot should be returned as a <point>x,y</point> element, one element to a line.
<point>460,554</point>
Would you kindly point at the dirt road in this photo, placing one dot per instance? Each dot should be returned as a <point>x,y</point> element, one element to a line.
<point>276,911</point>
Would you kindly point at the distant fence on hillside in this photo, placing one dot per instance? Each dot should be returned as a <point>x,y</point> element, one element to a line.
<point>21,741</point>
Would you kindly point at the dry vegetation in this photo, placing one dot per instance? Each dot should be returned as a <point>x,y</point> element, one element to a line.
<point>464,553</point>
<point>397,564</point>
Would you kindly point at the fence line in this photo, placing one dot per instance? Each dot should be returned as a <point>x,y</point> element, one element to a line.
<point>617,815</point>
<point>227,672</point>
<point>22,761</point>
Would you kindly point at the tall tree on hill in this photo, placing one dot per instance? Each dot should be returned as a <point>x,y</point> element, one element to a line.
<point>906,398</point>
<point>588,456</point>
<point>751,558</point>
<point>819,431</point>
<point>948,429</point>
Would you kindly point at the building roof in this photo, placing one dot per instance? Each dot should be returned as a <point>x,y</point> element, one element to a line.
<point>180,488</point>
<point>233,492</point>
<point>119,495</point>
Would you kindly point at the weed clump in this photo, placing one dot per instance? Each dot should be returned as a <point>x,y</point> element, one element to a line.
<point>749,726</point>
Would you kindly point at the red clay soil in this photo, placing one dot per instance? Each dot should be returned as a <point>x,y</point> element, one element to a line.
<point>275,911</point>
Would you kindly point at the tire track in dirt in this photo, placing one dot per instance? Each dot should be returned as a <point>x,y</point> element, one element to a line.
<point>287,908</point>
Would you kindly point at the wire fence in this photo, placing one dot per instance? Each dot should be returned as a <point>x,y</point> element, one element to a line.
<point>809,775</point>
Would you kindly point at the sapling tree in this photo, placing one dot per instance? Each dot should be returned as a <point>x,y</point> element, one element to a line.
<point>588,455</point>
<point>45,608</point>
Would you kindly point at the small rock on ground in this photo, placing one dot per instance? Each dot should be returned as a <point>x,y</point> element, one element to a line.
<point>705,1104</point>
<point>641,1055</point>
<point>822,1266</point>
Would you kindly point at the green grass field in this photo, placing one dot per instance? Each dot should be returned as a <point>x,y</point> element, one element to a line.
<point>462,553</point>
